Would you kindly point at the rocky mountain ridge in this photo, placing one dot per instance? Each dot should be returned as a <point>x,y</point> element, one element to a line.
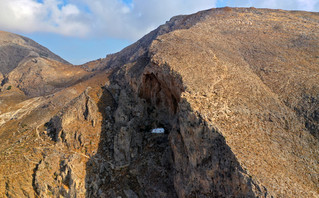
<point>32,68</point>
<point>15,48</point>
<point>236,90</point>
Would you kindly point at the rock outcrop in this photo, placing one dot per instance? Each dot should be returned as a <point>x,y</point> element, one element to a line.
<point>69,130</point>
<point>235,89</point>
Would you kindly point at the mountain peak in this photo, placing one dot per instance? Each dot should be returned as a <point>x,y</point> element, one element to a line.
<point>15,48</point>
<point>32,68</point>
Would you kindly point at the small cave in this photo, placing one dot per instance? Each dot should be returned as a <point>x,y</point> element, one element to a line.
<point>161,93</point>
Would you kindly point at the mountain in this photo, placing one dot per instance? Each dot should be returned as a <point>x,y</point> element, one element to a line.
<point>236,91</point>
<point>15,48</point>
<point>33,68</point>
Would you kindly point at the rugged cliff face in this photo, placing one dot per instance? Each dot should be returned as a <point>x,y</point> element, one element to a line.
<point>236,91</point>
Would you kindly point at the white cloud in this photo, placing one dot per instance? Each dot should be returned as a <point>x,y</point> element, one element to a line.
<point>50,16</point>
<point>93,17</point>
<point>116,19</point>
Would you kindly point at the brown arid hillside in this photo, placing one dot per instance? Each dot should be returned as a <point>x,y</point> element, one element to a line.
<point>14,49</point>
<point>235,89</point>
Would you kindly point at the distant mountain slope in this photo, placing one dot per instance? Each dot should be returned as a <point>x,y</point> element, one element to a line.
<point>235,89</point>
<point>32,68</point>
<point>14,48</point>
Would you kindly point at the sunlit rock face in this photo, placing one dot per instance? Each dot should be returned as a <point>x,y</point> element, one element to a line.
<point>221,103</point>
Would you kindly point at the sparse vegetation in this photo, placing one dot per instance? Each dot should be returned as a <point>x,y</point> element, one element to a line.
<point>9,87</point>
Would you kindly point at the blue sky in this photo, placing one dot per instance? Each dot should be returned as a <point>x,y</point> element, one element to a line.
<point>84,30</point>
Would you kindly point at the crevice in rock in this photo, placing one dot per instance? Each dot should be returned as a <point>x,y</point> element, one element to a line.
<point>308,109</point>
<point>5,80</point>
<point>35,188</point>
<point>54,126</point>
<point>86,112</point>
<point>7,187</point>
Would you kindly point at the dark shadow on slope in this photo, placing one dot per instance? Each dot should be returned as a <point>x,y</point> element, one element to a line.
<point>11,56</point>
<point>191,159</point>
<point>308,109</point>
<point>130,161</point>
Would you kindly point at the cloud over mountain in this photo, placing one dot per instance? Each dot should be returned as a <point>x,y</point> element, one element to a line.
<point>113,18</point>
<point>47,16</point>
<point>93,18</point>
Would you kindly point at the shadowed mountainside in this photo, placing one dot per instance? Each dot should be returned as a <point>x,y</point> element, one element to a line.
<point>236,90</point>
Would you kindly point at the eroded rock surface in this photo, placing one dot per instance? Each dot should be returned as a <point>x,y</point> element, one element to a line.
<point>235,89</point>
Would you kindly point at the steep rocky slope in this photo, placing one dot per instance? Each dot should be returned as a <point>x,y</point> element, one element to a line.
<point>32,68</point>
<point>15,48</point>
<point>235,89</point>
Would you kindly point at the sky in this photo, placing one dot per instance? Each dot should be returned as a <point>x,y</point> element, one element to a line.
<point>83,30</point>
